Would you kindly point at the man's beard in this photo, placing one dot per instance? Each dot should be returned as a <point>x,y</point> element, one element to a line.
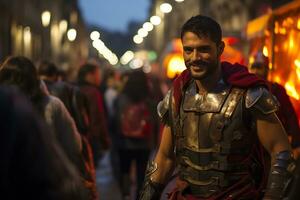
<point>201,69</point>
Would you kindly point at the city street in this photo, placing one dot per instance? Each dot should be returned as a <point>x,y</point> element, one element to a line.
<point>200,96</point>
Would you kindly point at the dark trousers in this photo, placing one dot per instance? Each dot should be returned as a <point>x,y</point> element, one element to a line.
<point>140,156</point>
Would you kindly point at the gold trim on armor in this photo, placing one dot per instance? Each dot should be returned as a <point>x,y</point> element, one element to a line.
<point>215,149</point>
<point>233,102</point>
<point>202,183</point>
<point>212,165</point>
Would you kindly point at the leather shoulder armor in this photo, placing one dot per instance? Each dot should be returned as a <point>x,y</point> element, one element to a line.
<point>262,100</point>
<point>163,107</point>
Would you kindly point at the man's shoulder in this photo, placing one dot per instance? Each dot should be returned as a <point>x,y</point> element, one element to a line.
<point>261,99</point>
<point>278,89</point>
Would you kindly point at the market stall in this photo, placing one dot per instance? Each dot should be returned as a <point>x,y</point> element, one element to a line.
<point>277,35</point>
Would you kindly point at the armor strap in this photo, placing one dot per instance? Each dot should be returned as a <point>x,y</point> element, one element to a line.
<point>221,119</point>
<point>216,165</point>
<point>216,179</point>
<point>281,175</point>
<point>219,148</point>
<point>177,137</point>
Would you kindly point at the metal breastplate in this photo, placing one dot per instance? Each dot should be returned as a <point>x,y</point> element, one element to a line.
<point>211,131</point>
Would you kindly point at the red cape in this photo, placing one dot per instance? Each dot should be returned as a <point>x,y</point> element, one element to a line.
<point>233,74</point>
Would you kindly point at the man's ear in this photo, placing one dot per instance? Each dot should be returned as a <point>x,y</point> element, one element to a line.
<point>221,48</point>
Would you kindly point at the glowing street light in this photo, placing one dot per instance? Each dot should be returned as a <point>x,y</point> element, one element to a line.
<point>165,8</point>
<point>72,33</point>
<point>136,63</point>
<point>63,26</point>
<point>95,35</point>
<point>98,44</point>
<point>138,39</point>
<point>148,26</point>
<point>155,20</point>
<point>179,1</point>
<point>142,32</point>
<point>102,49</point>
<point>113,59</point>
<point>127,57</point>
<point>27,35</point>
<point>107,54</point>
<point>46,17</point>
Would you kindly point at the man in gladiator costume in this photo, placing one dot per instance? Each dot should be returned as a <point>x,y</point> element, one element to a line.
<point>220,128</point>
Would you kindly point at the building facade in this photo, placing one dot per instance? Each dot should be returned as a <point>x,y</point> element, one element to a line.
<point>232,15</point>
<point>38,30</point>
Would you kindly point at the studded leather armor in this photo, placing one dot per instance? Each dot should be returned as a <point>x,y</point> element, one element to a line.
<point>215,136</point>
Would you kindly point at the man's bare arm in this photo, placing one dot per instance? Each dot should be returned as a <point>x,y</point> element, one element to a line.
<point>273,137</point>
<point>272,134</point>
<point>165,158</point>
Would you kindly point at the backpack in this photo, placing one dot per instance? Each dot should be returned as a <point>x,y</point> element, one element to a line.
<point>135,121</point>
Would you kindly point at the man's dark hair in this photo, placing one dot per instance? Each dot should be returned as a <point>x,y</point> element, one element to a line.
<point>203,26</point>
<point>47,68</point>
<point>84,70</point>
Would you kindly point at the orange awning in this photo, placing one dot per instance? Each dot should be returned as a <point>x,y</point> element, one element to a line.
<point>256,27</point>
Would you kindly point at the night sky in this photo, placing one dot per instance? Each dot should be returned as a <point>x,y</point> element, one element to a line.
<point>114,14</point>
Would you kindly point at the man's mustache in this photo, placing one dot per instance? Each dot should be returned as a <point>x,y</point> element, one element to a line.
<point>198,63</point>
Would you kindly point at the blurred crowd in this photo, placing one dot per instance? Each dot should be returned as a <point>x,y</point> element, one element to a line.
<point>56,132</point>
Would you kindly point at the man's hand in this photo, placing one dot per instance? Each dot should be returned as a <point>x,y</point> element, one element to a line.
<point>161,168</point>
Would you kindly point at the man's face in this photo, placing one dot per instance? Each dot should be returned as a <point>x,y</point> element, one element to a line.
<point>94,77</point>
<point>201,55</point>
<point>259,70</point>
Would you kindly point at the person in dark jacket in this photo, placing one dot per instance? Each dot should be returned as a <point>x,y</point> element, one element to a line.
<point>21,73</point>
<point>74,101</point>
<point>68,93</point>
<point>33,166</point>
<point>89,80</point>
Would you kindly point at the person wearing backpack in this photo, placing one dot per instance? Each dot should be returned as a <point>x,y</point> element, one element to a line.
<point>135,116</point>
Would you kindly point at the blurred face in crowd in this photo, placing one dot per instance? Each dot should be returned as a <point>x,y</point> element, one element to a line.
<point>94,77</point>
<point>201,54</point>
<point>260,70</point>
<point>111,82</point>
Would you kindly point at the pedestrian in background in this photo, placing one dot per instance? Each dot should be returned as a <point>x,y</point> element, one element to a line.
<point>89,80</point>
<point>135,113</point>
<point>75,103</point>
<point>33,164</point>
